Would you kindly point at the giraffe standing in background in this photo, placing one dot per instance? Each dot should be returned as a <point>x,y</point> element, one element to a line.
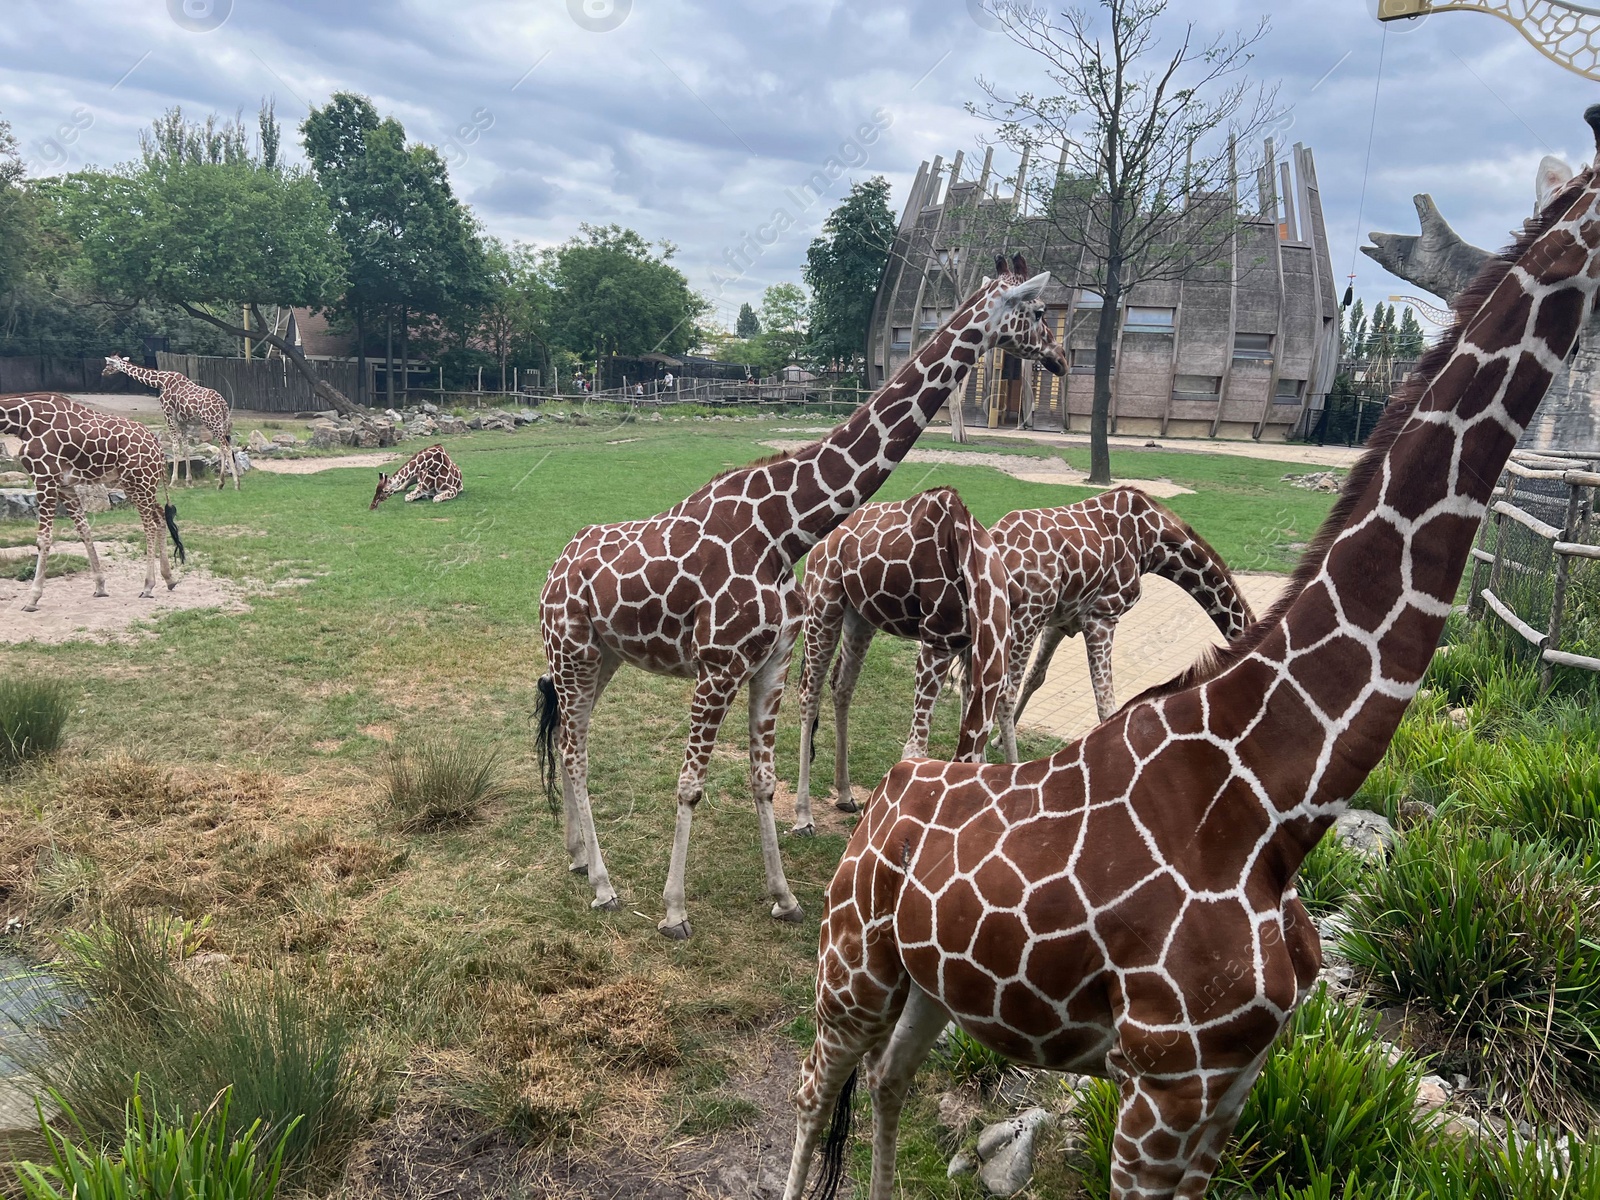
<point>1126,907</point>
<point>186,404</point>
<point>707,590</point>
<point>1076,569</point>
<point>65,443</point>
<point>922,568</point>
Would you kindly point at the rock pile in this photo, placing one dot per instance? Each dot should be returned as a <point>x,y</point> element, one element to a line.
<point>1317,481</point>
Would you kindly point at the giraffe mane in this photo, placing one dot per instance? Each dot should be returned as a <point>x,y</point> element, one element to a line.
<point>1396,413</point>
<point>750,466</point>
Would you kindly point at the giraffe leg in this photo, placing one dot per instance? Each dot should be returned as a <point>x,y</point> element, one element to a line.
<point>577,832</point>
<point>578,681</point>
<point>447,494</point>
<point>1049,638</point>
<point>766,692</point>
<point>713,694</point>
<point>414,494</point>
<point>1097,635</point>
<point>1006,723</point>
<point>932,666</point>
<point>822,639</point>
<point>230,463</point>
<point>857,636</point>
<point>155,548</point>
<point>889,1075</point>
<point>81,523</point>
<point>48,496</point>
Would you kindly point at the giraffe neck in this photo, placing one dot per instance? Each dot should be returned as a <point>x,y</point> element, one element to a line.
<point>1332,675</point>
<point>405,474</point>
<point>828,480</point>
<point>1180,554</point>
<point>143,374</point>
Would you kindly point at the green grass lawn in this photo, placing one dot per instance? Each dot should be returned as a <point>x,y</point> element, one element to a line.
<point>259,739</point>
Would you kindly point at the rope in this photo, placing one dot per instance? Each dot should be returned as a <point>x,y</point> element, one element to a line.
<point>1366,167</point>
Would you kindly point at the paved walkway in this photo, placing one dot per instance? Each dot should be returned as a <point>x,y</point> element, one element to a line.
<point>1159,637</point>
<point>1289,452</point>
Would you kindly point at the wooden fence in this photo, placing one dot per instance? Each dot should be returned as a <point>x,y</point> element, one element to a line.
<point>263,385</point>
<point>48,373</point>
<point>1529,558</point>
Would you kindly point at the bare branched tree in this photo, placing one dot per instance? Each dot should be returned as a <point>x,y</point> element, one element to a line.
<point>1144,136</point>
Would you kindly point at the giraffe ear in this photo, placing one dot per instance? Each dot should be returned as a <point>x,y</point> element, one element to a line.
<point>1019,265</point>
<point>1000,267</point>
<point>1552,177</point>
<point>1026,291</point>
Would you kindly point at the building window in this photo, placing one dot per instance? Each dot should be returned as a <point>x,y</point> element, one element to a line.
<point>1256,346</point>
<point>1141,319</point>
<point>1289,391</point>
<point>946,260</point>
<point>1083,361</point>
<point>900,337</point>
<point>1196,387</point>
<point>1087,299</point>
<point>932,318</point>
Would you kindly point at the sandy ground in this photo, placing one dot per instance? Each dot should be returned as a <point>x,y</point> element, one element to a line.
<point>1025,468</point>
<point>1320,456</point>
<point>70,611</point>
<point>310,466</point>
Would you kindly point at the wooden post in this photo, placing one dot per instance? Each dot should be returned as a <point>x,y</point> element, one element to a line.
<point>1558,598</point>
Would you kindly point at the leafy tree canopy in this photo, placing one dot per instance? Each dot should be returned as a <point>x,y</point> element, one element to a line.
<point>843,268</point>
<point>618,294</point>
<point>748,324</point>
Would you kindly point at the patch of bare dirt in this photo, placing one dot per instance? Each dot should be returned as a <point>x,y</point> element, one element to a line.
<point>827,818</point>
<point>311,466</point>
<point>1024,467</point>
<point>70,611</point>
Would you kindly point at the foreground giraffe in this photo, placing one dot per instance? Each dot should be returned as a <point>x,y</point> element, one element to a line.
<point>428,472</point>
<point>1076,569</point>
<point>1126,907</point>
<point>707,591</point>
<point>186,404</point>
<point>924,569</point>
<point>65,443</point>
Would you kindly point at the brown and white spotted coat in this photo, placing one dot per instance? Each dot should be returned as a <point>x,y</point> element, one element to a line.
<point>1126,906</point>
<point>706,590</point>
<point>1076,569</point>
<point>924,569</point>
<point>186,405</point>
<point>65,443</point>
<point>428,472</point>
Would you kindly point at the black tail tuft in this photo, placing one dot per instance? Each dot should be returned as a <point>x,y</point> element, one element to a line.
<point>548,714</point>
<point>832,1174</point>
<point>815,721</point>
<point>170,512</point>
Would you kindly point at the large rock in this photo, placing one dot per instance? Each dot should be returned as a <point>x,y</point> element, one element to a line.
<point>257,442</point>
<point>98,498</point>
<point>19,504</point>
<point>449,424</point>
<point>284,440</point>
<point>16,479</point>
<point>1367,833</point>
<point>1004,1157</point>
<point>326,435</point>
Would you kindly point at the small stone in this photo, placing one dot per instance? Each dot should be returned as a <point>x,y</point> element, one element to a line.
<point>1461,1127</point>
<point>1460,717</point>
<point>1006,1150</point>
<point>95,498</point>
<point>241,461</point>
<point>1365,832</point>
<point>1433,1093</point>
<point>957,1110</point>
<point>1414,812</point>
<point>430,409</point>
<point>961,1164</point>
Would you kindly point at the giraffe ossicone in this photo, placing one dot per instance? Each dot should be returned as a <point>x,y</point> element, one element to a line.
<point>1126,907</point>
<point>706,590</point>
<point>65,443</point>
<point>186,404</point>
<point>924,569</point>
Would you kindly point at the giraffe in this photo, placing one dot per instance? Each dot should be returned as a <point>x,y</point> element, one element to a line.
<point>1076,569</point>
<point>706,590</point>
<point>1126,907</point>
<point>185,404</point>
<point>430,472</point>
<point>922,568</point>
<point>65,443</point>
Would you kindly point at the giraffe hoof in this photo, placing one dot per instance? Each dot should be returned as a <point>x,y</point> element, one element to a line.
<point>847,806</point>
<point>147,594</point>
<point>100,593</point>
<point>676,933</point>
<point>599,905</point>
<point>580,869</point>
<point>804,831</point>
<point>30,608</point>
<point>172,585</point>
<point>792,916</point>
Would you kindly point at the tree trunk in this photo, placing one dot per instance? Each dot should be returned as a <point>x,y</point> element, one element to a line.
<point>1105,343</point>
<point>325,391</point>
<point>405,355</point>
<point>388,359</point>
<point>361,359</point>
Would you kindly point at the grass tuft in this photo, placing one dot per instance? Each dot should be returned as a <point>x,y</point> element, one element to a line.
<point>436,784</point>
<point>968,1061</point>
<point>1330,874</point>
<point>33,720</point>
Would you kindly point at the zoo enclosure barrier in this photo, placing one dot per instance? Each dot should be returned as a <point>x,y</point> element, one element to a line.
<point>1539,528</point>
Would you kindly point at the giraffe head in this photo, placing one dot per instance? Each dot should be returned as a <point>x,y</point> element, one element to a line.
<point>383,492</point>
<point>1015,315</point>
<point>115,363</point>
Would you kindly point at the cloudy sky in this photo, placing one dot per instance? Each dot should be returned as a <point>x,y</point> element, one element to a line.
<point>693,120</point>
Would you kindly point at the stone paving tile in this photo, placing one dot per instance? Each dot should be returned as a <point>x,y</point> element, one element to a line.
<point>1159,637</point>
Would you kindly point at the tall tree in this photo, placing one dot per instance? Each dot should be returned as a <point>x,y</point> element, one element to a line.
<point>1355,332</point>
<point>517,309</point>
<point>785,318</point>
<point>618,294</point>
<point>205,225</point>
<point>843,269</point>
<point>748,324</point>
<point>1142,136</point>
<point>16,213</point>
<point>1409,339</point>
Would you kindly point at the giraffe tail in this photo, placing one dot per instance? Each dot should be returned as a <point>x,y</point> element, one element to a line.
<point>170,513</point>
<point>832,1173</point>
<point>548,715</point>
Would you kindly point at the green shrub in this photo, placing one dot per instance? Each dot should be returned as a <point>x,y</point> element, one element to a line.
<point>143,1029</point>
<point>1548,789</point>
<point>436,783</point>
<point>1429,759</point>
<point>33,719</point>
<point>157,1159</point>
<point>967,1060</point>
<point>1327,1100</point>
<point>1495,938</point>
<point>1329,874</point>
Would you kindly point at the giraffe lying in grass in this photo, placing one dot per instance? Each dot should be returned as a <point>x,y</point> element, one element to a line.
<point>430,472</point>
